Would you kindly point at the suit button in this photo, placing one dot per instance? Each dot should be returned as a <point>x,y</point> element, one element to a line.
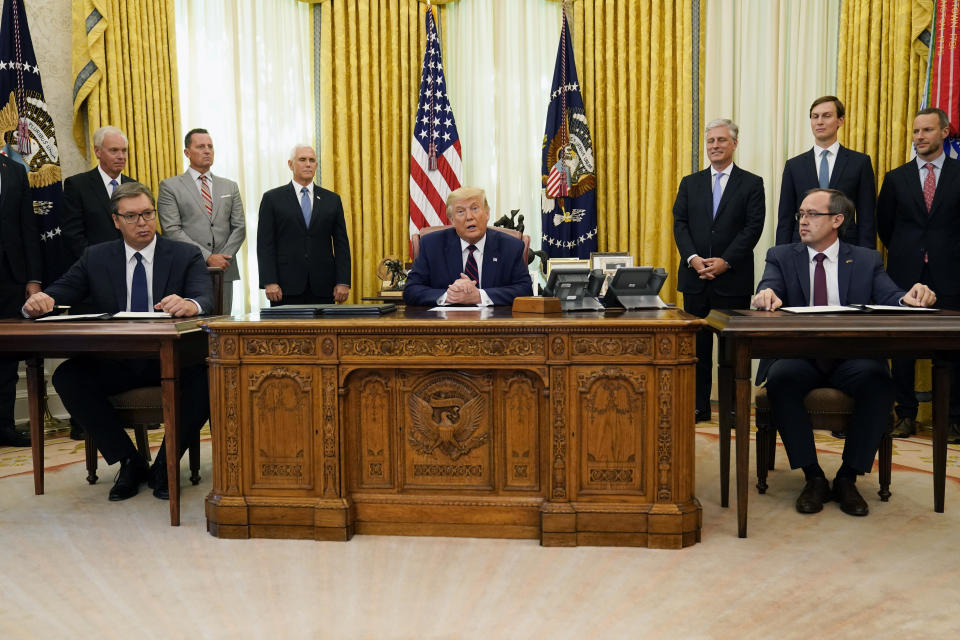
<point>209,244</point>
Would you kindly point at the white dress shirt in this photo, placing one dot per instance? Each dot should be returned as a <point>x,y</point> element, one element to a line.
<point>830,267</point>
<point>195,175</point>
<point>106,180</point>
<point>309,187</point>
<point>937,168</point>
<point>832,152</point>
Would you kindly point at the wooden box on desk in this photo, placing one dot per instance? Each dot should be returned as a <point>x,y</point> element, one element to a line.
<point>536,304</point>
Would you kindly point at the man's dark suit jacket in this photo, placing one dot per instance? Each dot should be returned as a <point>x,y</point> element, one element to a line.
<point>909,232</point>
<point>503,277</point>
<point>295,257</point>
<point>732,235</point>
<point>86,212</point>
<point>852,175</point>
<point>860,278</point>
<point>101,273</point>
<point>19,229</point>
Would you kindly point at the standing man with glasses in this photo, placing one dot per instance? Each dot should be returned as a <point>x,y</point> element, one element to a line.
<point>821,270</point>
<point>302,243</point>
<point>468,264</point>
<point>829,165</point>
<point>141,272</point>
<point>205,210</point>
<point>918,216</point>
<point>86,196</point>
<point>717,220</point>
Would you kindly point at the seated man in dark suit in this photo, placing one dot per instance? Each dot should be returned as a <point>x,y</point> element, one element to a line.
<point>467,264</point>
<point>141,272</point>
<point>821,270</point>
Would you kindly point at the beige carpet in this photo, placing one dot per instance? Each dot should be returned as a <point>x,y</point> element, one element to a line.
<point>75,565</point>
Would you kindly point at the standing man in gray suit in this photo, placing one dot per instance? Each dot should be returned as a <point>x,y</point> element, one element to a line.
<point>204,210</point>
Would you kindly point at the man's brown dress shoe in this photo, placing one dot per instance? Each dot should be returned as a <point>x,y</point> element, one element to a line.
<point>814,494</point>
<point>904,428</point>
<point>846,494</point>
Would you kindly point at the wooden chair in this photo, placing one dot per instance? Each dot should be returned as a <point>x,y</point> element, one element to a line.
<point>415,239</point>
<point>829,409</point>
<point>142,407</point>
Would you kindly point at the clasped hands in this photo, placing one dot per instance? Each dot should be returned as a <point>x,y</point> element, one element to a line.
<point>709,268</point>
<point>463,290</point>
<point>920,295</point>
<point>40,303</point>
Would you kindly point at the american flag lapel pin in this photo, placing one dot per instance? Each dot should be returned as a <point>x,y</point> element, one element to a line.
<point>849,260</point>
<point>494,259</point>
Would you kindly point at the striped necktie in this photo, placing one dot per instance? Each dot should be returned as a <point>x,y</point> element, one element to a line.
<point>470,268</point>
<point>205,193</point>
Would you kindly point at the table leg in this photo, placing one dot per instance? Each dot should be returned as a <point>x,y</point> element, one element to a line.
<point>941,404</point>
<point>742,418</point>
<point>725,391</point>
<point>170,387</point>
<point>35,394</point>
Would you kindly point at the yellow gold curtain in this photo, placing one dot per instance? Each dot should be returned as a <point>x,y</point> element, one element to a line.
<point>636,69</point>
<point>125,75</point>
<point>370,57</point>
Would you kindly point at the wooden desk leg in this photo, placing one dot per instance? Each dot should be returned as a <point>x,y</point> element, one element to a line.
<point>941,404</point>
<point>742,418</point>
<point>725,391</point>
<point>35,393</point>
<point>170,387</point>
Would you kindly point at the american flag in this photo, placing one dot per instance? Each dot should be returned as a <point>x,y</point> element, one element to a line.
<point>435,167</point>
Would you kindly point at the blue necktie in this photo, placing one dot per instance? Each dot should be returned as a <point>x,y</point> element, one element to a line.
<point>138,288</point>
<point>113,186</point>
<point>717,193</point>
<point>824,171</point>
<point>305,205</point>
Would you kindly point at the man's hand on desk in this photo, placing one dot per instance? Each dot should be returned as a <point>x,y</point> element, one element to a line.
<point>38,304</point>
<point>177,306</point>
<point>766,300</point>
<point>463,291</point>
<point>920,295</point>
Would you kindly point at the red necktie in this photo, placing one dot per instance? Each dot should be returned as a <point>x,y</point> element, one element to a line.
<point>471,267</point>
<point>929,185</point>
<point>819,281</point>
<point>205,192</point>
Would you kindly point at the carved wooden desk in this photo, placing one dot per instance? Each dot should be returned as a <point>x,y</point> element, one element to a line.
<point>764,334</point>
<point>574,429</point>
<point>175,342</point>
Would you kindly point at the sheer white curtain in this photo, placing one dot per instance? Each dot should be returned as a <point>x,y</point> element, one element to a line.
<point>246,75</point>
<point>499,57</point>
<point>766,61</point>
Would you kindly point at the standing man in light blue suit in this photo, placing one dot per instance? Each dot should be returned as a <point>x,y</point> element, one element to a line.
<point>204,210</point>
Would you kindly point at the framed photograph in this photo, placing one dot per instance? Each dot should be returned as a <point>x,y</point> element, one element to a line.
<point>563,263</point>
<point>610,262</point>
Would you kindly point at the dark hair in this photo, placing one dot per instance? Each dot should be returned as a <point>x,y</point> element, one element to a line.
<point>129,190</point>
<point>841,112</point>
<point>186,139</point>
<point>944,120</point>
<point>839,203</point>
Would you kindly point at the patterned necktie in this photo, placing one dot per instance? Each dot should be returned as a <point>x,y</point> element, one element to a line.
<point>205,193</point>
<point>929,185</point>
<point>824,171</point>
<point>113,186</point>
<point>717,193</point>
<point>138,287</point>
<point>305,205</point>
<point>819,281</point>
<point>471,267</point>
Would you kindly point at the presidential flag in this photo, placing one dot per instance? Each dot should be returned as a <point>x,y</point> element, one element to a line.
<point>435,166</point>
<point>28,134</point>
<point>569,195</point>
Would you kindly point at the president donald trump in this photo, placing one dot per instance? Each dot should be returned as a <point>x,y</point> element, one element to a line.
<point>468,264</point>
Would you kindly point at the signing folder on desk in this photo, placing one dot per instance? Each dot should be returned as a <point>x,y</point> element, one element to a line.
<point>123,315</point>
<point>856,308</point>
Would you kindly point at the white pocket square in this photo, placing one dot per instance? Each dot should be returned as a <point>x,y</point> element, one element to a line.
<point>226,196</point>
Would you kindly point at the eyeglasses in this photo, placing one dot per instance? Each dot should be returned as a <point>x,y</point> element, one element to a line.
<point>800,215</point>
<point>131,218</point>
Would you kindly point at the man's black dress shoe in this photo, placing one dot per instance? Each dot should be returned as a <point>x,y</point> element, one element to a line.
<point>133,472</point>
<point>845,492</point>
<point>11,437</point>
<point>814,494</point>
<point>158,481</point>
<point>76,431</point>
<point>953,433</point>
<point>904,428</point>
<point>701,415</point>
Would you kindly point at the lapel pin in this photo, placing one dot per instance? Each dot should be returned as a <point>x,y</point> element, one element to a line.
<point>494,259</point>
<point>849,261</point>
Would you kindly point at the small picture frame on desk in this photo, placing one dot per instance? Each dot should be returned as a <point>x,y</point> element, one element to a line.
<point>567,263</point>
<point>609,262</point>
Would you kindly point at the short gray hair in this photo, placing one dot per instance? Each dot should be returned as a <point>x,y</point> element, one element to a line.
<point>723,122</point>
<point>102,132</point>
<point>301,145</point>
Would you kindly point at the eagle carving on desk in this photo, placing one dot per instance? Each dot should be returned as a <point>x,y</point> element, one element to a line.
<point>446,425</point>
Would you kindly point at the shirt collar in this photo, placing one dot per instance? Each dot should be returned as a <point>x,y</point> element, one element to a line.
<point>478,244</point>
<point>297,187</point>
<point>832,252</point>
<point>195,175</point>
<point>937,162</point>
<point>106,179</point>
<point>834,149</point>
<point>147,252</point>
<point>725,171</point>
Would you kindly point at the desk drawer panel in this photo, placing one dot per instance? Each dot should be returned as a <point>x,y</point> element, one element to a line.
<point>451,347</point>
